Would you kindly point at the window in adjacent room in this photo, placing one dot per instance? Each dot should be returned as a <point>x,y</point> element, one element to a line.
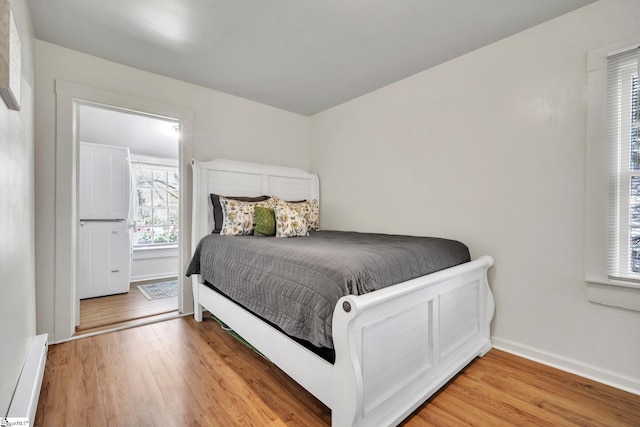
<point>623,139</point>
<point>156,203</point>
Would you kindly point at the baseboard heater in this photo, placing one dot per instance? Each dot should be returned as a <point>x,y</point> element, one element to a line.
<point>25,398</point>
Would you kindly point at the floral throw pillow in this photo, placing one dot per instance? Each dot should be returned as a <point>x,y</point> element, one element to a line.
<point>289,222</point>
<point>308,209</point>
<point>239,216</point>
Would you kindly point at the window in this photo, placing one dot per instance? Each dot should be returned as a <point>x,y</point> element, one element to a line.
<point>612,208</point>
<point>156,196</point>
<point>623,141</point>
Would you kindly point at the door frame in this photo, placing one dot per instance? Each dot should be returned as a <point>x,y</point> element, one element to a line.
<point>68,97</point>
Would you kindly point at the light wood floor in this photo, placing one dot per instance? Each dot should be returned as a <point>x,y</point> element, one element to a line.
<point>183,373</point>
<point>128,309</point>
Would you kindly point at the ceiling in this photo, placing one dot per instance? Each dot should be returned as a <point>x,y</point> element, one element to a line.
<point>302,56</point>
<point>144,135</point>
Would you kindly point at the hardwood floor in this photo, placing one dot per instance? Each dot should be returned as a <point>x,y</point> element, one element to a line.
<point>183,373</point>
<point>128,309</point>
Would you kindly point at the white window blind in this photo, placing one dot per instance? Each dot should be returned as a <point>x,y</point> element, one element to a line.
<point>623,139</point>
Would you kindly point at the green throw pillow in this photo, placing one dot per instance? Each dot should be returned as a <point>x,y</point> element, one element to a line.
<point>265,219</point>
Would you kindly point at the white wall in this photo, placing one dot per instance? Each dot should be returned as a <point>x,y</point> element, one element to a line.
<point>224,126</point>
<point>17,289</point>
<point>154,263</point>
<point>490,149</point>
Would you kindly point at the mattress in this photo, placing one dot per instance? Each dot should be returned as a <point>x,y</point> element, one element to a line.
<point>295,283</point>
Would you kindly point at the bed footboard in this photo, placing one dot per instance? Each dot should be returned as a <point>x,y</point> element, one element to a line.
<point>394,347</point>
<point>397,346</point>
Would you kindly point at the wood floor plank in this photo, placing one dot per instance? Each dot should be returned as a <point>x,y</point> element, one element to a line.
<point>467,413</point>
<point>564,394</point>
<point>524,401</point>
<point>433,417</point>
<point>556,411</point>
<point>555,381</point>
<point>108,310</point>
<point>184,373</point>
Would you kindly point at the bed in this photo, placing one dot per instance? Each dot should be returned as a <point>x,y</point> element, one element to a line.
<point>391,349</point>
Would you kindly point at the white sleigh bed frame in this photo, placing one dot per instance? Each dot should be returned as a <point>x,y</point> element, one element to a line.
<point>394,347</point>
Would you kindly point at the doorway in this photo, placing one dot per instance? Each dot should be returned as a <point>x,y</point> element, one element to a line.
<point>69,97</point>
<point>146,206</point>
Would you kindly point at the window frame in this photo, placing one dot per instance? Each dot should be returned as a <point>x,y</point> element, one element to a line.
<point>158,164</point>
<point>602,287</point>
<point>620,147</point>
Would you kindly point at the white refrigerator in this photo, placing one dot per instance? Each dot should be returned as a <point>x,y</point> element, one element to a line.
<point>105,233</point>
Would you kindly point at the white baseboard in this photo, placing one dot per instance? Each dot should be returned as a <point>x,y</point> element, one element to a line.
<point>614,379</point>
<point>25,398</point>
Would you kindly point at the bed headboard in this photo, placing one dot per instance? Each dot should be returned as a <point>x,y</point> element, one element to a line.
<point>234,178</point>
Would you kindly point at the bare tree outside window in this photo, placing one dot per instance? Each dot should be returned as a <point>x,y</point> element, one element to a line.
<point>157,196</point>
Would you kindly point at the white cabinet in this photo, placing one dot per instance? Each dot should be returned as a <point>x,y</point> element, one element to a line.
<point>105,258</point>
<point>104,181</point>
<point>104,199</point>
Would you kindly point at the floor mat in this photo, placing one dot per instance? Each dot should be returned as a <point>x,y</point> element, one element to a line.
<point>159,290</point>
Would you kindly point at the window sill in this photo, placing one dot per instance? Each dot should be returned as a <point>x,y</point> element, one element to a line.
<point>614,293</point>
<point>154,248</point>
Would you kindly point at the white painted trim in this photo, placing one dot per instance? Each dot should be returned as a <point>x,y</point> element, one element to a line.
<point>597,58</point>
<point>614,293</point>
<point>151,160</point>
<point>147,277</point>
<point>141,322</point>
<point>613,379</point>
<point>613,282</point>
<point>27,393</point>
<point>66,270</point>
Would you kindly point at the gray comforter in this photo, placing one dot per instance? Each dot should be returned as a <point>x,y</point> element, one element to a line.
<point>295,283</point>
